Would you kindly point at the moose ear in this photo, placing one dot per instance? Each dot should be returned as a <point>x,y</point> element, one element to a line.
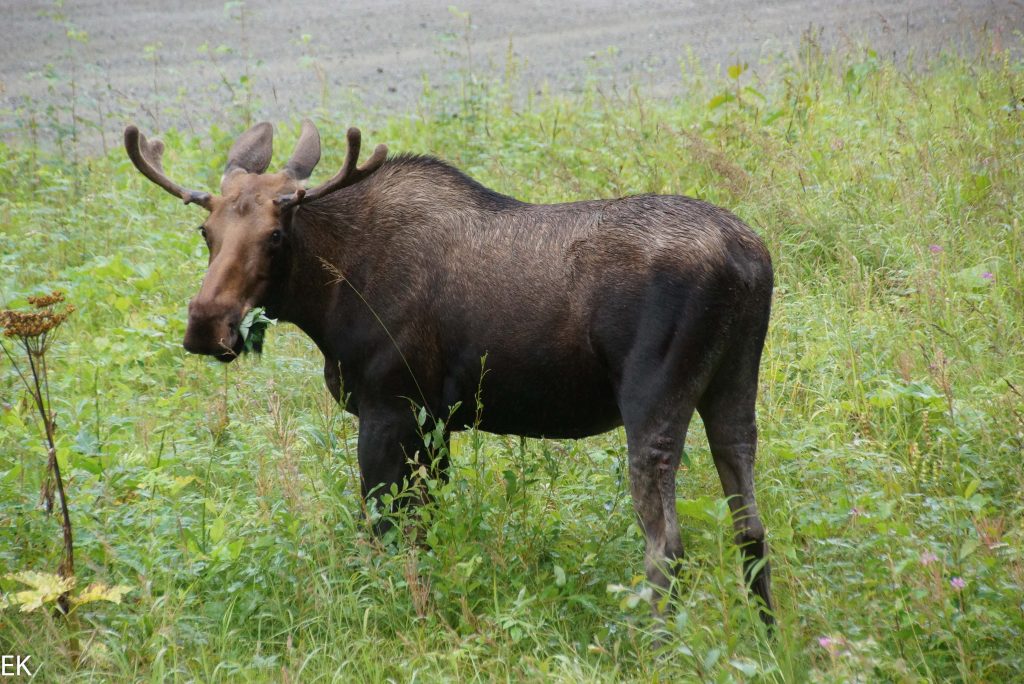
<point>252,151</point>
<point>306,154</point>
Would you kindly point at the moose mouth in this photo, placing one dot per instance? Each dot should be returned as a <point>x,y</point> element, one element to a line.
<point>234,353</point>
<point>217,338</point>
<point>231,348</point>
<point>223,352</point>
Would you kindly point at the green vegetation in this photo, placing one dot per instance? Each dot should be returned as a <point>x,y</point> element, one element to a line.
<point>892,412</point>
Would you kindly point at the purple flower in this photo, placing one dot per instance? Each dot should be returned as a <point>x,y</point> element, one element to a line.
<point>826,642</point>
<point>927,558</point>
<point>958,583</point>
<point>935,249</point>
<point>988,275</point>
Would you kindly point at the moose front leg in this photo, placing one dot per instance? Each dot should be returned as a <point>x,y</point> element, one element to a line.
<point>390,444</point>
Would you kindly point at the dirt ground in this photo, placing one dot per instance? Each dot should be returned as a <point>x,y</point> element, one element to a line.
<point>182,64</point>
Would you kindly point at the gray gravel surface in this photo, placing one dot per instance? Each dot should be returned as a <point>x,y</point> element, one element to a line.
<point>180,63</point>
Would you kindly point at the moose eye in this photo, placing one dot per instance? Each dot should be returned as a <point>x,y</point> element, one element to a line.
<point>276,236</point>
<point>202,231</point>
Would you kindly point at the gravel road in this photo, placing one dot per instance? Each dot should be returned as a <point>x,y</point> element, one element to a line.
<point>176,64</point>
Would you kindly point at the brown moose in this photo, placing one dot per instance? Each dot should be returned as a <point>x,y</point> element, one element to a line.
<point>407,274</point>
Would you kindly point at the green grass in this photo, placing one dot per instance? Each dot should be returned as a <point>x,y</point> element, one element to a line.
<point>891,411</point>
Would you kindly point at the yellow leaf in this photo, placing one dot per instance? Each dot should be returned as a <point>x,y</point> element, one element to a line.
<point>98,591</point>
<point>45,588</point>
<point>736,70</point>
<point>180,482</point>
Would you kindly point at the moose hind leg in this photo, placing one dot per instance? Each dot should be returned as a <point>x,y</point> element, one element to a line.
<point>732,437</point>
<point>654,454</point>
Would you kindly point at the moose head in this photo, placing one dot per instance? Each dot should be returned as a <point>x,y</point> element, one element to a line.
<point>248,223</point>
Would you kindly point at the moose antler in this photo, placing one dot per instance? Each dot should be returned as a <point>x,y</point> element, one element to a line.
<point>147,155</point>
<point>350,174</point>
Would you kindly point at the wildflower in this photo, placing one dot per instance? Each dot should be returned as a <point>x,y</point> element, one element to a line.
<point>958,583</point>
<point>935,249</point>
<point>988,275</point>
<point>927,558</point>
<point>835,646</point>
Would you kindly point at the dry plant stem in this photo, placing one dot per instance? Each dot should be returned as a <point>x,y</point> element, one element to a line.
<point>40,391</point>
<point>67,566</point>
<point>37,396</point>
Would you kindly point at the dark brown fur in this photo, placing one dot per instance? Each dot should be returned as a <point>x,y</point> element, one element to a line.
<point>590,315</point>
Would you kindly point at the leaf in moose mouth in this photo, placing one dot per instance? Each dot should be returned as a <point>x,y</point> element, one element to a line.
<point>252,329</point>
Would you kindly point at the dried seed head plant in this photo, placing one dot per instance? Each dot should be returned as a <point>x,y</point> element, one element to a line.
<point>34,328</point>
<point>34,331</point>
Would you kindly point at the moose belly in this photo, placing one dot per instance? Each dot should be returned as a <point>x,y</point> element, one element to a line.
<point>538,399</point>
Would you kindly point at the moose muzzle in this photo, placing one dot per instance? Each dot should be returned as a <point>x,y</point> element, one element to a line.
<point>213,329</point>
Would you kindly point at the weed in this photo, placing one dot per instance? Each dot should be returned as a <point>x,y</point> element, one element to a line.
<point>34,332</point>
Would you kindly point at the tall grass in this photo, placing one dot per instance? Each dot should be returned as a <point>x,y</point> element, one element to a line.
<point>891,411</point>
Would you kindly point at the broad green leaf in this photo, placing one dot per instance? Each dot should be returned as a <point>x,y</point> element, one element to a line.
<point>217,530</point>
<point>969,546</point>
<point>252,329</point>
<point>720,99</point>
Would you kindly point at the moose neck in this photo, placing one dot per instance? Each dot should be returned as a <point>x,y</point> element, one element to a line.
<point>325,239</point>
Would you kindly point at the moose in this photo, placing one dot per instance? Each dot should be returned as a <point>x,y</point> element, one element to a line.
<point>410,277</point>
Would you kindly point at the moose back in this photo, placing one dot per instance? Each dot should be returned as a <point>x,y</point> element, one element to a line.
<point>409,276</point>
